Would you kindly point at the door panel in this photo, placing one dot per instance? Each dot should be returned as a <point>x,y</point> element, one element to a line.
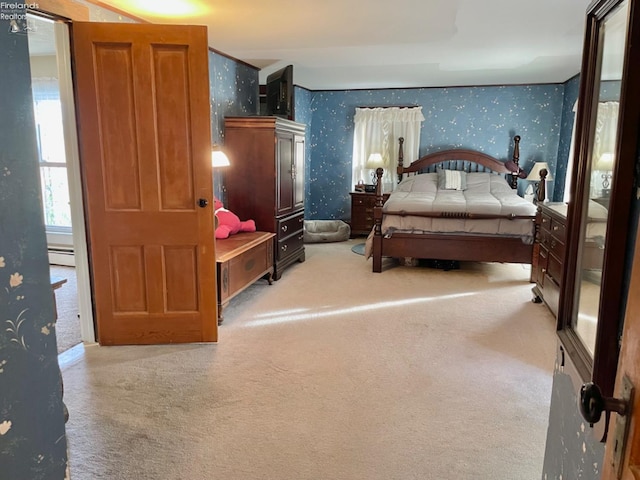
<point>144,125</point>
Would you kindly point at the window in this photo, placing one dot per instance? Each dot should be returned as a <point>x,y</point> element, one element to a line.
<point>51,152</point>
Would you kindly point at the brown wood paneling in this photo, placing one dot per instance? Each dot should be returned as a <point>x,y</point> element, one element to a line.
<point>128,279</point>
<point>116,109</point>
<point>180,274</point>
<point>170,68</point>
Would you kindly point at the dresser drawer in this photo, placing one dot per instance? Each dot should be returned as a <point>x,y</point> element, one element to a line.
<point>364,201</point>
<point>556,247</point>
<point>544,221</point>
<point>558,230</point>
<point>554,268</point>
<point>290,225</point>
<point>551,294</point>
<point>544,237</point>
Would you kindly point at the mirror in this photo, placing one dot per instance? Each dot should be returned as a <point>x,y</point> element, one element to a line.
<point>599,177</point>
<point>600,229</point>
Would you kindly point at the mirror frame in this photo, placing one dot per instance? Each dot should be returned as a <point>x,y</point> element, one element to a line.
<point>601,369</point>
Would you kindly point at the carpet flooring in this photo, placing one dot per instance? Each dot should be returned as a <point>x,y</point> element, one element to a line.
<point>332,372</point>
<point>68,323</point>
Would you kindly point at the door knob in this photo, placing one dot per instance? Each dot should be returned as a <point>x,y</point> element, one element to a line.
<point>592,403</point>
<point>203,202</point>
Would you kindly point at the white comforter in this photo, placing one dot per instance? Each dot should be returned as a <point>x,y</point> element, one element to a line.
<point>485,193</point>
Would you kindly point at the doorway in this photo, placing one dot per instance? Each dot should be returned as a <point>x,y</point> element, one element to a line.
<point>63,210</point>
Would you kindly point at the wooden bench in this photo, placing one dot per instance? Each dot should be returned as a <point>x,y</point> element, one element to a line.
<point>242,259</point>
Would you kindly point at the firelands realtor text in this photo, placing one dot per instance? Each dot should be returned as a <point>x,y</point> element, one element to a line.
<point>7,10</point>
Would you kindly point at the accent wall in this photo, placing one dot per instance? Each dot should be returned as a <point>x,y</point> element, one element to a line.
<point>479,118</point>
<point>32,434</point>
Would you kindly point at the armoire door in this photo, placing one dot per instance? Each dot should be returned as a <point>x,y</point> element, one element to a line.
<point>284,153</point>
<point>144,132</point>
<point>298,172</point>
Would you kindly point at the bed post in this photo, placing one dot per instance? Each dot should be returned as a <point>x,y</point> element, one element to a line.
<point>400,158</point>
<point>377,224</point>
<point>516,160</point>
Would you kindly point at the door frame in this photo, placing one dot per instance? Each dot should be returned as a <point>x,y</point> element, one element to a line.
<point>74,177</point>
<point>80,246</point>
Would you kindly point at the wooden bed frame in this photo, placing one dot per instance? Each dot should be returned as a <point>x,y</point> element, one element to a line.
<point>439,246</point>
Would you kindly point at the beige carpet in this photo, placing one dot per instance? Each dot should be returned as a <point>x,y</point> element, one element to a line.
<point>332,372</point>
<point>68,322</point>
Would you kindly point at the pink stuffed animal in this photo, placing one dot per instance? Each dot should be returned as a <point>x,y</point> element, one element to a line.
<point>229,223</point>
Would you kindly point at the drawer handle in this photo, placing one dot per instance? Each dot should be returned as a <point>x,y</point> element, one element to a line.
<point>553,244</point>
<point>556,227</point>
<point>284,248</point>
<point>301,219</point>
<point>544,270</point>
<point>300,237</point>
<point>285,228</point>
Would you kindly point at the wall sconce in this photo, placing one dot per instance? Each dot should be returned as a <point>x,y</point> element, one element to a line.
<point>218,157</point>
<point>373,163</point>
<point>540,174</point>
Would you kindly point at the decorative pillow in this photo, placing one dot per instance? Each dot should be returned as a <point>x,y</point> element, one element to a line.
<point>452,179</point>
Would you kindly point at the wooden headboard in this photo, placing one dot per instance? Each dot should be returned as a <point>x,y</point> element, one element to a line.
<point>462,159</point>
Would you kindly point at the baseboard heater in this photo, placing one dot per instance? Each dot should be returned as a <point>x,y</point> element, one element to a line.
<point>61,256</point>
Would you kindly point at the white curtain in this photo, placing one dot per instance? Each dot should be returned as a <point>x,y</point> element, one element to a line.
<point>606,129</point>
<point>377,130</point>
<point>604,139</point>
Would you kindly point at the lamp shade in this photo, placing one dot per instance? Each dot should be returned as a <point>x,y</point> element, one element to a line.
<point>605,162</point>
<point>534,174</point>
<point>218,157</point>
<point>374,161</point>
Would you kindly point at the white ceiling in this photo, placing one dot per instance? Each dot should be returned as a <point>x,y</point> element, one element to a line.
<point>351,44</point>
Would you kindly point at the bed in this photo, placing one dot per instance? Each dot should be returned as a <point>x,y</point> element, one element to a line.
<point>481,219</point>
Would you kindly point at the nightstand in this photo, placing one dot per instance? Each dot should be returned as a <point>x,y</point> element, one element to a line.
<point>362,204</point>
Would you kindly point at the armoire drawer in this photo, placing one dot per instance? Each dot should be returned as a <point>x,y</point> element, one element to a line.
<point>289,245</point>
<point>289,225</point>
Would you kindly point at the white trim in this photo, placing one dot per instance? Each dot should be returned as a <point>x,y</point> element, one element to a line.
<point>63,49</point>
<point>62,258</point>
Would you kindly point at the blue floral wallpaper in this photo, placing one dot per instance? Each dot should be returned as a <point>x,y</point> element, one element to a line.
<point>32,434</point>
<point>303,114</point>
<point>234,89</point>
<point>479,118</point>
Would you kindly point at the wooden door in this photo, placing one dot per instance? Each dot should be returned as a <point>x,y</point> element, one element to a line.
<point>629,367</point>
<point>142,96</point>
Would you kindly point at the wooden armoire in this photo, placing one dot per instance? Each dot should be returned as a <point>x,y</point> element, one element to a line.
<point>265,181</point>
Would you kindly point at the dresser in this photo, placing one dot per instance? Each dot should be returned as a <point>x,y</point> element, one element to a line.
<point>362,204</point>
<point>265,181</point>
<point>549,253</point>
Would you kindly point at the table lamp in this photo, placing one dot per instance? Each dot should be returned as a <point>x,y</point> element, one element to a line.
<point>540,174</point>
